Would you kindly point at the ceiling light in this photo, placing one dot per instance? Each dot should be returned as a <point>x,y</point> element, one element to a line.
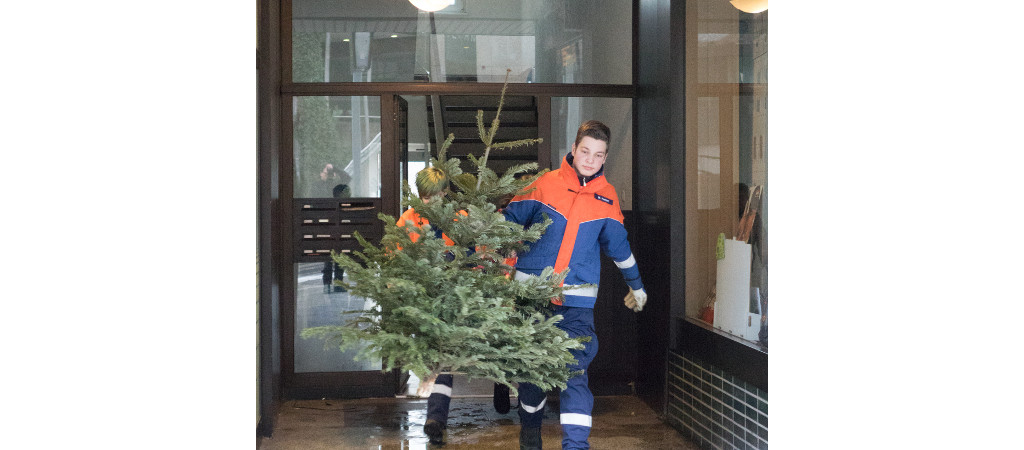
<point>748,6</point>
<point>432,5</point>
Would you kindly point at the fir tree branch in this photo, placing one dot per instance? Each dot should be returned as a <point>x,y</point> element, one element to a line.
<point>484,136</point>
<point>519,143</point>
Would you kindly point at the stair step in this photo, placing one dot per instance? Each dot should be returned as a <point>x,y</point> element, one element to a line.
<point>502,154</point>
<point>471,136</point>
<point>485,102</point>
<point>498,166</point>
<point>469,116</point>
<point>501,126</point>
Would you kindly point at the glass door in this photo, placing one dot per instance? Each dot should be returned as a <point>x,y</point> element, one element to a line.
<point>340,150</point>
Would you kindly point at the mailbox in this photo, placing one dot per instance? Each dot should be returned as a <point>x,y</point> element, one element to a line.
<point>325,224</point>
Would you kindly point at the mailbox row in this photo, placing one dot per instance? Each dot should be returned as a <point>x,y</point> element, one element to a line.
<point>325,224</point>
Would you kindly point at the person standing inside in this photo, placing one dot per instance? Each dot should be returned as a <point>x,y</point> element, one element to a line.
<point>587,220</point>
<point>333,183</point>
<point>323,185</point>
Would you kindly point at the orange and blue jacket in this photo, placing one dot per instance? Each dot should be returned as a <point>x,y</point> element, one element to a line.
<point>586,221</point>
<point>411,215</point>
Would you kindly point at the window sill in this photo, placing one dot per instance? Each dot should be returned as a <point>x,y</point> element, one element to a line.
<point>744,359</point>
<point>753,345</point>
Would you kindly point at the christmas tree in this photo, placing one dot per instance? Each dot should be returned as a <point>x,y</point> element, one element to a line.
<point>443,308</point>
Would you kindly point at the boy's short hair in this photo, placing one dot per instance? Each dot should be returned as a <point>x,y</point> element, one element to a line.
<point>594,129</point>
<point>430,182</point>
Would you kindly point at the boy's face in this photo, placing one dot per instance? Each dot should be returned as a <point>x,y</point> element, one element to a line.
<point>589,155</point>
<point>428,198</point>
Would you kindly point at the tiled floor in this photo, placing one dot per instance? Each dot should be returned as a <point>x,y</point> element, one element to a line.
<point>620,422</point>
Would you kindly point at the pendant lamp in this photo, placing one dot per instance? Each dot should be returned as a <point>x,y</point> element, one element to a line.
<point>432,5</point>
<point>749,6</point>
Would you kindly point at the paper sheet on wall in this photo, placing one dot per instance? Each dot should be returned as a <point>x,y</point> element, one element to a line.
<point>732,306</point>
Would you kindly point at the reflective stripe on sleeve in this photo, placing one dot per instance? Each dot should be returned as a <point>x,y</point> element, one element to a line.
<point>629,262</point>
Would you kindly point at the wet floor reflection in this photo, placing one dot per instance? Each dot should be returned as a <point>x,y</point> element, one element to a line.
<point>397,423</point>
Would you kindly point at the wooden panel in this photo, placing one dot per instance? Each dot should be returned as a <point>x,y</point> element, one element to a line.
<point>544,132</point>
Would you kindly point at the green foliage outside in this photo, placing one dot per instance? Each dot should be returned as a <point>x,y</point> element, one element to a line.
<point>317,135</point>
<point>443,308</point>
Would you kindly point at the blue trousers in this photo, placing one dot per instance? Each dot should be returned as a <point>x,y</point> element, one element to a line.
<point>575,401</point>
<point>440,398</point>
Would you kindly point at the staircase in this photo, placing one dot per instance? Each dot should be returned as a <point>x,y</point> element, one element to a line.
<point>518,121</point>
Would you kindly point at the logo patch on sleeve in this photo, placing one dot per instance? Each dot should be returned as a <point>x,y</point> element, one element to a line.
<point>604,199</point>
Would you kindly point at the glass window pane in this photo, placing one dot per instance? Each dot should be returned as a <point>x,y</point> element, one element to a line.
<point>320,303</point>
<point>418,146</point>
<point>541,41</point>
<point>567,113</point>
<point>337,146</point>
<point>727,144</point>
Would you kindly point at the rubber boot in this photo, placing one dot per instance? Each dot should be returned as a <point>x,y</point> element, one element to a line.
<point>501,401</point>
<point>435,431</point>
<point>529,439</point>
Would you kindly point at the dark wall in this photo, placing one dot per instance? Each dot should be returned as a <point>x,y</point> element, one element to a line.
<point>653,322</point>
<point>268,63</point>
<point>653,185</point>
<point>741,360</point>
<point>614,370</point>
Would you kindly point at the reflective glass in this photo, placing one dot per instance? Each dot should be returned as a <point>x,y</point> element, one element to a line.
<point>337,146</point>
<point>418,144</point>
<point>727,140</point>
<point>320,303</point>
<point>540,41</point>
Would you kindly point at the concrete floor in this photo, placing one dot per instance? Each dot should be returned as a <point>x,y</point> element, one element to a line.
<point>620,422</point>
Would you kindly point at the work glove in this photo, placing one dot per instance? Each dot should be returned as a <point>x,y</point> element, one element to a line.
<point>635,299</point>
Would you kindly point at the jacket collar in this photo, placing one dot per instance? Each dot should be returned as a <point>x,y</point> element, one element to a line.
<point>572,178</point>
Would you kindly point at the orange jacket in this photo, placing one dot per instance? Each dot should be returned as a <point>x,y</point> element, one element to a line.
<point>410,215</point>
<point>586,221</point>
